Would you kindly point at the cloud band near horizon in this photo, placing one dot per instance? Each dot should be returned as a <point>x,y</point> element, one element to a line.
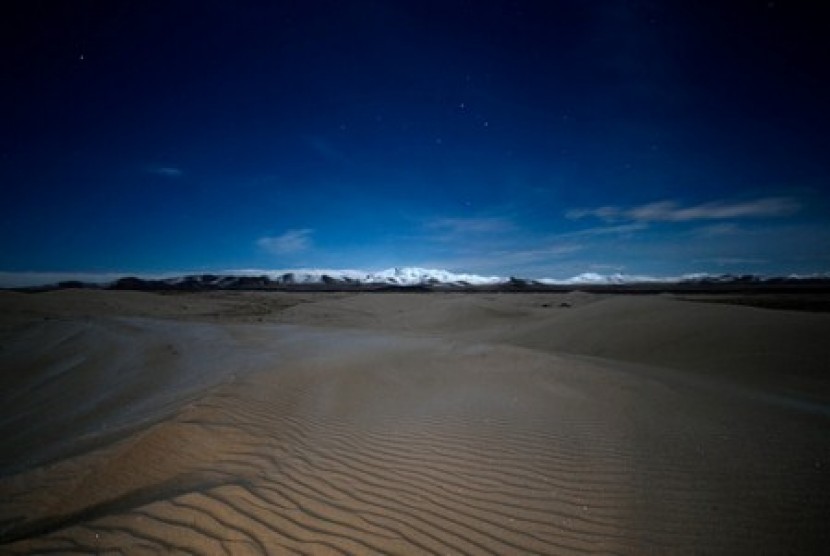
<point>671,211</point>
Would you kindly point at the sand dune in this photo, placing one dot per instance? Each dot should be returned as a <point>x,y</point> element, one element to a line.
<point>257,423</point>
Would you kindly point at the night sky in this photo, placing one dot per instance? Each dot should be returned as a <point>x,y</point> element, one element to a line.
<point>538,139</point>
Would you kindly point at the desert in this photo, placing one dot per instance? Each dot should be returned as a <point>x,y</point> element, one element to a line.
<point>411,423</point>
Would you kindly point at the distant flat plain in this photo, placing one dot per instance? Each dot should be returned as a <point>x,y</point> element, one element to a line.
<point>410,423</point>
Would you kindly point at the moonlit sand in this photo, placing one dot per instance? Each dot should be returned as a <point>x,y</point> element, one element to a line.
<point>271,423</point>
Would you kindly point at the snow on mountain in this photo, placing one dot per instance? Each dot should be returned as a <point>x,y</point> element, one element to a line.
<point>592,278</point>
<point>421,276</point>
<point>399,276</point>
<point>415,276</point>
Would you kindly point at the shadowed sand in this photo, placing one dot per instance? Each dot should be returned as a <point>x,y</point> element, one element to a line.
<point>269,423</point>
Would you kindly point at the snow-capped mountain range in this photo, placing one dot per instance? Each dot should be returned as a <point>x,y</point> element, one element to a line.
<point>414,276</point>
<point>356,279</point>
<point>400,276</point>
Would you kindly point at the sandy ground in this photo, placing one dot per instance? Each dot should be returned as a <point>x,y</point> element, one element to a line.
<point>270,423</point>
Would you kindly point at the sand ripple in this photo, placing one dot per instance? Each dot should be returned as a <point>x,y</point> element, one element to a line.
<point>409,445</point>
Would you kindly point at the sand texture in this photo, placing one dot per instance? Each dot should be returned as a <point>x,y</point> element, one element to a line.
<point>277,423</point>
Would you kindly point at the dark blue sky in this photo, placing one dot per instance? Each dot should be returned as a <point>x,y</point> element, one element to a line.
<point>541,139</point>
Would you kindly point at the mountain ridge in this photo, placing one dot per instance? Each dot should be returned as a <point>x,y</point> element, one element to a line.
<point>410,278</point>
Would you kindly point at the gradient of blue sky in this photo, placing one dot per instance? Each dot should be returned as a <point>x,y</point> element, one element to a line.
<point>527,138</point>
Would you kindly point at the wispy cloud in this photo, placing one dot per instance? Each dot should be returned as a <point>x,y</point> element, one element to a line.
<point>466,226</point>
<point>670,211</point>
<point>515,260</point>
<point>500,243</point>
<point>166,171</point>
<point>620,229</point>
<point>290,242</point>
<point>722,229</point>
<point>542,253</point>
<point>732,261</point>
